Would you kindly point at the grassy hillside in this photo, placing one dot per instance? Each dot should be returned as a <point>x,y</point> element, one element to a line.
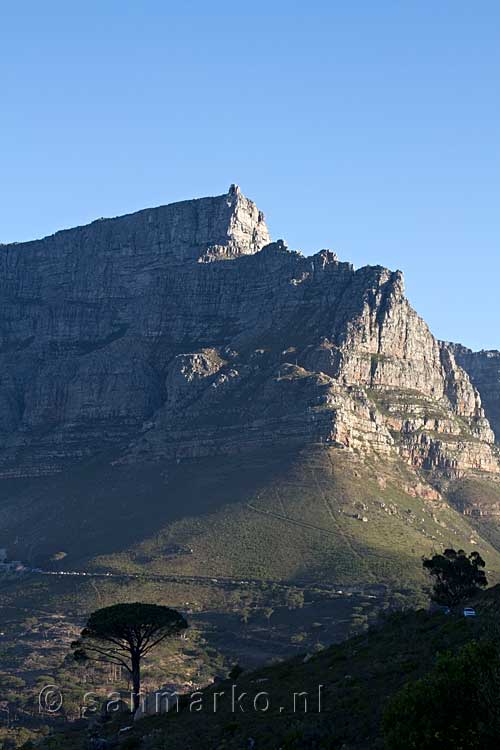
<point>228,539</point>
<point>319,514</point>
<point>326,515</point>
<point>357,678</point>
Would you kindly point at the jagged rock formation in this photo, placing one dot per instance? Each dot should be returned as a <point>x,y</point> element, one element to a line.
<point>483,369</point>
<point>182,331</point>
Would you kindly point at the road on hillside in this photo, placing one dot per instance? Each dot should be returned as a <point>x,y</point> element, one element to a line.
<point>201,580</point>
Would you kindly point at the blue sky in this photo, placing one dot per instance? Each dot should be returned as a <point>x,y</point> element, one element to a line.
<point>372,128</point>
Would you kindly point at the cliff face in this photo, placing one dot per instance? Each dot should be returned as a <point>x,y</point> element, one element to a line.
<point>182,331</point>
<point>483,369</point>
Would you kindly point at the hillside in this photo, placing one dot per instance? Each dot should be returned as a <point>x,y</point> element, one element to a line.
<point>357,677</point>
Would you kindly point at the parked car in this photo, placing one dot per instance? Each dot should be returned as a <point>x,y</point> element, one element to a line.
<point>469,612</point>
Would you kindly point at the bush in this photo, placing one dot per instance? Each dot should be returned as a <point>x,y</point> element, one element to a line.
<point>455,707</point>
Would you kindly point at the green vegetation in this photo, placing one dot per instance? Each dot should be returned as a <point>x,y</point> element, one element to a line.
<point>454,707</point>
<point>457,576</point>
<point>253,548</point>
<point>36,646</point>
<point>362,680</point>
<point>124,634</point>
<point>279,515</point>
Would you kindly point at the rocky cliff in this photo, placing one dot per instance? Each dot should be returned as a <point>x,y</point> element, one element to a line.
<point>483,369</point>
<point>183,331</point>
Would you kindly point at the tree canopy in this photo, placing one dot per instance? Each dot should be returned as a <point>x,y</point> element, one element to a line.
<point>456,575</point>
<point>124,633</point>
<point>455,707</point>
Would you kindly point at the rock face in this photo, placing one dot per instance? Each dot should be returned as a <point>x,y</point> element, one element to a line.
<point>483,369</point>
<point>183,331</point>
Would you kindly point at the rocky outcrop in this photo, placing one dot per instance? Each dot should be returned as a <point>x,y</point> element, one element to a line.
<point>183,331</point>
<point>483,368</point>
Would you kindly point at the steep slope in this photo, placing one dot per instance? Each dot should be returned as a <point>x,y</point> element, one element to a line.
<point>86,314</point>
<point>318,513</point>
<point>170,378</point>
<point>483,369</point>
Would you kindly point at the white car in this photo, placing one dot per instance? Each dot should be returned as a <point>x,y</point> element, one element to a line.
<point>469,612</point>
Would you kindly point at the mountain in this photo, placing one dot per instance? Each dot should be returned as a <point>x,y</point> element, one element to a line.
<point>483,369</point>
<point>180,394</point>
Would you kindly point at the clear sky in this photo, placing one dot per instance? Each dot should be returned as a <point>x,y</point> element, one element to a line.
<point>371,127</point>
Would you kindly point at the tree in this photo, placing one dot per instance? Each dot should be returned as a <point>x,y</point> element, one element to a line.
<point>124,633</point>
<point>268,612</point>
<point>455,707</point>
<point>235,672</point>
<point>295,599</point>
<point>457,576</point>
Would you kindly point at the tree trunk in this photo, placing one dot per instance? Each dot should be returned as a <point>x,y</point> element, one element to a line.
<point>136,681</point>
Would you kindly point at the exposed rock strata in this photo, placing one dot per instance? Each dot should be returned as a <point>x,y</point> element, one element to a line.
<point>483,369</point>
<point>182,331</point>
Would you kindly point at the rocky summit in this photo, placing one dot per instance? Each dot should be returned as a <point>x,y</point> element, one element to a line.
<point>182,334</point>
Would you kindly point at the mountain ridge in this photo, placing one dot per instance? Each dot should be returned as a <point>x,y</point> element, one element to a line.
<point>191,337</point>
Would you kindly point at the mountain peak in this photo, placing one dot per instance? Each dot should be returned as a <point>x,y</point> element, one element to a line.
<point>202,229</point>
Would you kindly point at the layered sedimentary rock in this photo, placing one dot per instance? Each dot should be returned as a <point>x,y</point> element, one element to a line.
<point>183,331</point>
<point>483,369</point>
